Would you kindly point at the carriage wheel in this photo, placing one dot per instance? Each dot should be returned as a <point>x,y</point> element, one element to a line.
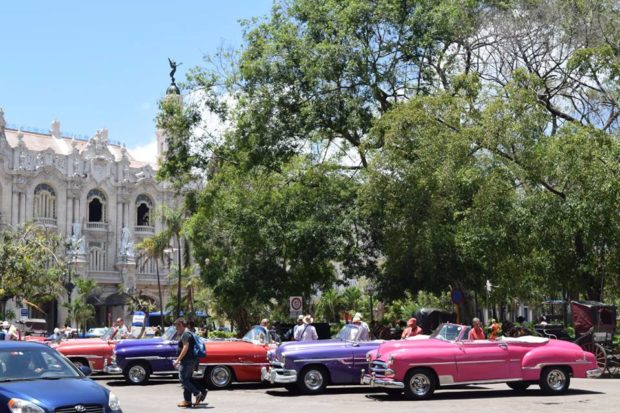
<point>599,353</point>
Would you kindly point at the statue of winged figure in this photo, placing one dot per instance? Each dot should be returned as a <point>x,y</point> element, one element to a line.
<point>173,66</point>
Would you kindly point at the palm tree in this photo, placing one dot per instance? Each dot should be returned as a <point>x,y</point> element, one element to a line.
<point>329,304</point>
<point>153,248</point>
<point>173,224</point>
<point>79,310</point>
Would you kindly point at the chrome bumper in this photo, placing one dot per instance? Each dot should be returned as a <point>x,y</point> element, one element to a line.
<point>112,369</point>
<point>592,374</point>
<point>278,375</point>
<point>374,381</point>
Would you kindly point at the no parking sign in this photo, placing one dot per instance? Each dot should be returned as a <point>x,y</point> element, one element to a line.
<point>295,304</point>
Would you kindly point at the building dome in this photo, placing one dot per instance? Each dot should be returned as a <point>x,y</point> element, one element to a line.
<point>173,90</point>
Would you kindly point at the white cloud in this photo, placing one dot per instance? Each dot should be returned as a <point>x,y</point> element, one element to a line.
<point>146,152</point>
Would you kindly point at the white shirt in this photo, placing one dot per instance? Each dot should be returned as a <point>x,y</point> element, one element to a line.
<point>306,332</point>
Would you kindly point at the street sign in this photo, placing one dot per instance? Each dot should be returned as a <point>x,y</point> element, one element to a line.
<point>138,318</point>
<point>295,303</point>
<point>24,313</point>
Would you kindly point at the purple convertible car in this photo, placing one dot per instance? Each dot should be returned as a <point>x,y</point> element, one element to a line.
<point>310,366</point>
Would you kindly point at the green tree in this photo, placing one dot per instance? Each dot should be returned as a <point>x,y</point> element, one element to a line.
<point>31,263</point>
<point>79,309</point>
<point>154,248</point>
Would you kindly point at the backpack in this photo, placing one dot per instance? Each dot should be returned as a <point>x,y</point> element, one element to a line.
<point>199,349</point>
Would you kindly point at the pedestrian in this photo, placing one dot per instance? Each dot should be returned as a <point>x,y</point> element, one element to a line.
<point>412,329</point>
<point>307,332</point>
<point>121,331</point>
<point>265,323</point>
<point>57,336</point>
<point>476,332</point>
<point>293,333</point>
<point>494,329</point>
<point>187,362</point>
<point>364,331</point>
<point>4,333</point>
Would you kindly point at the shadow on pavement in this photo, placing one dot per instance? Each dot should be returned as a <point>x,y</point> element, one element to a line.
<point>483,393</point>
<point>282,392</point>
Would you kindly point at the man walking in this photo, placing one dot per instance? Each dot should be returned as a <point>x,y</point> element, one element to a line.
<point>187,363</point>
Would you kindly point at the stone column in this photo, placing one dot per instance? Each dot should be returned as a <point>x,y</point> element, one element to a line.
<point>14,208</point>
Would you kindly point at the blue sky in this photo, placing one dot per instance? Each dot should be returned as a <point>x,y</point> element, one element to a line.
<point>95,64</point>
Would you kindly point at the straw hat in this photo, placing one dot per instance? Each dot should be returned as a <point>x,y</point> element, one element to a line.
<point>357,317</point>
<point>5,324</point>
<point>300,317</point>
<point>308,319</point>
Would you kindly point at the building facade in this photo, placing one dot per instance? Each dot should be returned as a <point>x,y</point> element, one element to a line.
<point>98,197</point>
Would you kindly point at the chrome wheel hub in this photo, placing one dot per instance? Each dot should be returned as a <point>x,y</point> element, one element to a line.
<point>313,380</point>
<point>420,384</point>
<point>220,376</point>
<point>137,374</point>
<point>556,379</point>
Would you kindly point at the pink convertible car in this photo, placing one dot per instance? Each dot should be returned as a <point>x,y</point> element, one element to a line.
<point>447,358</point>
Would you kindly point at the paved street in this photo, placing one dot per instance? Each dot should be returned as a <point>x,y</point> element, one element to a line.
<point>600,396</point>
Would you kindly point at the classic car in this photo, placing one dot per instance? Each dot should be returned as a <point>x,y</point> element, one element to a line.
<point>95,353</point>
<point>226,360</point>
<point>448,358</point>
<point>36,378</point>
<point>310,366</point>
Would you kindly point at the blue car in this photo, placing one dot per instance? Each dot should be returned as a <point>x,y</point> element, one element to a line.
<point>35,378</point>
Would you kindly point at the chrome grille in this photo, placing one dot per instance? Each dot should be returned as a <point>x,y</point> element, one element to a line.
<point>87,408</point>
<point>378,367</point>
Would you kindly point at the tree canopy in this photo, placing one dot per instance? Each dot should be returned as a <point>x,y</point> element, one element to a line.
<point>422,144</point>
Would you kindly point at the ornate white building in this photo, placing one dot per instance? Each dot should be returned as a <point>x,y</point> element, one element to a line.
<point>95,194</point>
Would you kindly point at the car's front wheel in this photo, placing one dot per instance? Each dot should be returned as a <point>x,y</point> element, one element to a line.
<point>554,380</point>
<point>312,380</point>
<point>218,377</point>
<point>419,384</point>
<point>137,373</point>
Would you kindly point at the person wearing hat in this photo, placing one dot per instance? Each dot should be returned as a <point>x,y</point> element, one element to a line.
<point>300,324</point>
<point>412,329</point>
<point>364,334</point>
<point>56,336</point>
<point>306,332</point>
<point>12,333</point>
<point>4,333</point>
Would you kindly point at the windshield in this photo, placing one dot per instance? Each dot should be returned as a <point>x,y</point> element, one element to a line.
<point>107,332</point>
<point>350,332</point>
<point>257,334</point>
<point>448,332</point>
<point>34,364</point>
<point>170,333</point>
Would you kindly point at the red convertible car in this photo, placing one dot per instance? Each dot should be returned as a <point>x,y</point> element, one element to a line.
<point>448,358</point>
<point>95,353</point>
<point>226,360</point>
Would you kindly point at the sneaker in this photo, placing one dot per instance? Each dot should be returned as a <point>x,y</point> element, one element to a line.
<point>200,398</point>
<point>184,404</point>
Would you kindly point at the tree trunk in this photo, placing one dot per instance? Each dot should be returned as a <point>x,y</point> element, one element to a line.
<point>161,301</point>
<point>180,272</point>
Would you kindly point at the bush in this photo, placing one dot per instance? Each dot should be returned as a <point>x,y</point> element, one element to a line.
<point>222,334</point>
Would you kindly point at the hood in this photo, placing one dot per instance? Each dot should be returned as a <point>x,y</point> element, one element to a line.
<point>146,342</point>
<point>303,347</point>
<point>81,344</point>
<point>52,394</point>
<point>398,345</point>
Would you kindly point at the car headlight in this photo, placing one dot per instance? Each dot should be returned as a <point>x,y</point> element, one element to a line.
<point>390,361</point>
<point>23,406</point>
<point>113,402</point>
<point>283,358</point>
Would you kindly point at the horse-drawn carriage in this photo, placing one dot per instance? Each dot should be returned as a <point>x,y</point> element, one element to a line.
<point>595,326</point>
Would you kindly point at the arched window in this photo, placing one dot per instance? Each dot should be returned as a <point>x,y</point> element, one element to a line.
<point>44,203</point>
<point>144,206</point>
<point>96,256</point>
<point>96,206</point>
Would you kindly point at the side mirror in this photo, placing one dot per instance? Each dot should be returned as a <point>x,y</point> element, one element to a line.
<point>85,370</point>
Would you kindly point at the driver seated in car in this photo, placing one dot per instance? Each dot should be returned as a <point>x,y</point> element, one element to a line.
<point>476,332</point>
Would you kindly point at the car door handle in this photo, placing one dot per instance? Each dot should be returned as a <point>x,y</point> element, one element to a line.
<point>503,345</point>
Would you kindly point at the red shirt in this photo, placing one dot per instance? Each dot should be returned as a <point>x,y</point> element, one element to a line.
<point>476,333</point>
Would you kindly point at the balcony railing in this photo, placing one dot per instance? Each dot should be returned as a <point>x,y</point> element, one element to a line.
<point>144,230</point>
<point>46,222</point>
<point>152,278</point>
<point>97,226</point>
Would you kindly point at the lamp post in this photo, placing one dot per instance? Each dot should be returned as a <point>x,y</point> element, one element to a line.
<point>370,290</point>
<point>68,284</point>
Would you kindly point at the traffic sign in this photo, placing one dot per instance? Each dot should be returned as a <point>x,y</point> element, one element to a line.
<point>296,303</point>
